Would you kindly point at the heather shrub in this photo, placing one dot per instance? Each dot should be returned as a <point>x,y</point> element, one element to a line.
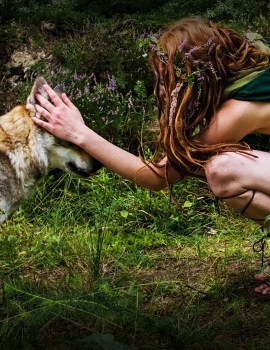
<point>107,47</point>
<point>62,13</point>
<point>118,6</point>
<point>117,116</point>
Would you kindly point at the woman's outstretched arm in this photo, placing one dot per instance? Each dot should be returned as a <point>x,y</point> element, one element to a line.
<point>64,120</point>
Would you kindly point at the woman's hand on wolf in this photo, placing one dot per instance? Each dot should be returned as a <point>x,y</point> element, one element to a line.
<point>63,119</point>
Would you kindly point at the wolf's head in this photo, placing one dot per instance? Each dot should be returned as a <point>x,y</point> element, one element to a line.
<point>61,154</point>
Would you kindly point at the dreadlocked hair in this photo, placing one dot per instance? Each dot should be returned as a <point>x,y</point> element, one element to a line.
<point>195,60</point>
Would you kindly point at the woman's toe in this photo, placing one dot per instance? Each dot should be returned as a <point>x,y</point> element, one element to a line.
<point>264,275</point>
<point>263,289</point>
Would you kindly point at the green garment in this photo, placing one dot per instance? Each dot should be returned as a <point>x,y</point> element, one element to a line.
<point>257,89</point>
<point>251,84</point>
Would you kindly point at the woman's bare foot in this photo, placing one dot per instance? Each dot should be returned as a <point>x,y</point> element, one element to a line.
<point>263,276</point>
<point>263,289</point>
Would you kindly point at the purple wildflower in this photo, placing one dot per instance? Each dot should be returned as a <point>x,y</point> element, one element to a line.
<point>111,86</point>
<point>191,51</point>
<point>193,105</point>
<point>93,76</point>
<point>192,108</point>
<point>78,92</point>
<point>200,77</point>
<point>153,47</point>
<point>182,45</point>
<point>212,67</point>
<point>209,42</point>
<point>144,34</point>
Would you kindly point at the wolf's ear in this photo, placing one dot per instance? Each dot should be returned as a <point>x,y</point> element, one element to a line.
<point>31,100</point>
<point>59,89</point>
<point>37,88</point>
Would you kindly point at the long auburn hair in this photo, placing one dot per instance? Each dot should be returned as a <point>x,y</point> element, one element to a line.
<point>199,58</point>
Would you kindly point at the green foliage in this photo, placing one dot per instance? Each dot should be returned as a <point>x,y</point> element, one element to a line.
<point>60,12</point>
<point>258,141</point>
<point>244,15</point>
<point>117,116</point>
<point>106,47</point>
<point>187,8</point>
<point>112,7</point>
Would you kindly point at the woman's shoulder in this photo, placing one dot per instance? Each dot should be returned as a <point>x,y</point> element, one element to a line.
<point>235,119</point>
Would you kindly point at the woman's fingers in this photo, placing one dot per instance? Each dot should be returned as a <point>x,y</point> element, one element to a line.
<point>56,100</point>
<point>67,102</point>
<point>44,106</point>
<point>55,103</point>
<point>43,124</point>
<point>60,115</point>
<point>44,112</point>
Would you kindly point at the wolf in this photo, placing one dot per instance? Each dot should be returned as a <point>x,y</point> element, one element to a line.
<point>28,152</point>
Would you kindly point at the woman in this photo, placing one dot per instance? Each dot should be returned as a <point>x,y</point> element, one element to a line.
<point>211,89</point>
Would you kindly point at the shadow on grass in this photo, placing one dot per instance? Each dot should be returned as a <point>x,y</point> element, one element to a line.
<point>201,307</point>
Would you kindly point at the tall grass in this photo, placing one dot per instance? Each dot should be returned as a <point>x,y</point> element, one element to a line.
<point>102,256</point>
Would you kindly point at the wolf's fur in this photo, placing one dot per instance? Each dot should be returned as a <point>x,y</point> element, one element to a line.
<point>27,152</point>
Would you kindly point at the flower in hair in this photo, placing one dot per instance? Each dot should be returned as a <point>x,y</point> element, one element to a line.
<point>191,51</point>
<point>212,69</point>
<point>174,96</point>
<point>155,47</point>
<point>210,44</point>
<point>182,45</point>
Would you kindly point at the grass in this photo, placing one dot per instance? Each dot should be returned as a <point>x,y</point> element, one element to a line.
<point>103,257</point>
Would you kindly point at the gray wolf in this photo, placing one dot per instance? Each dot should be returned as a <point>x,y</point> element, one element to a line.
<point>28,152</point>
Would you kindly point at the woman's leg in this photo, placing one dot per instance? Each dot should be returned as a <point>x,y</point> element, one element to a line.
<point>243,182</point>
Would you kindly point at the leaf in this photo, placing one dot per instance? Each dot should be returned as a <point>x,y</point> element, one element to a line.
<point>153,38</point>
<point>187,204</point>
<point>266,220</point>
<point>124,213</point>
<point>107,342</point>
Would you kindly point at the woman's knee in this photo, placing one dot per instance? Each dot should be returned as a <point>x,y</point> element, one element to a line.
<point>221,174</point>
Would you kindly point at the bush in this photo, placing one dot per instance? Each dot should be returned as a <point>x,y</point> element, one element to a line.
<point>116,116</point>
<point>107,47</point>
<point>244,15</point>
<point>111,7</point>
